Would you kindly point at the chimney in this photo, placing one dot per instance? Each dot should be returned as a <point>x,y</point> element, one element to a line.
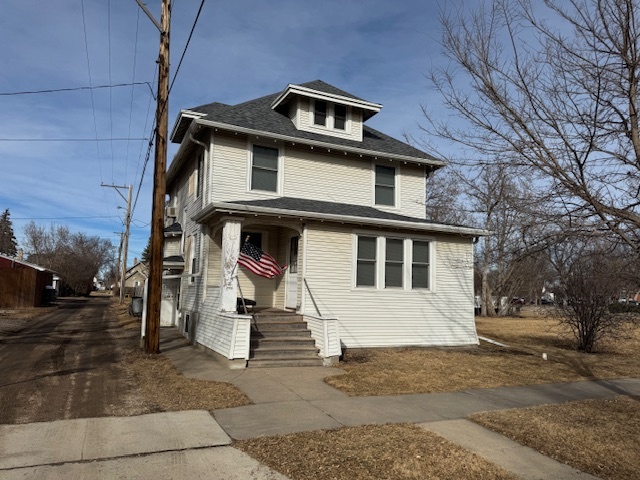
<point>20,254</point>
<point>135,260</point>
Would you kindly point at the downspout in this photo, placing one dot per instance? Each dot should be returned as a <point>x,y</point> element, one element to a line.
<point>201,175</point>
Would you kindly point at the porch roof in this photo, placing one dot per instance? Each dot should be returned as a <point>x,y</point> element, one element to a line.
<point>331,211</point>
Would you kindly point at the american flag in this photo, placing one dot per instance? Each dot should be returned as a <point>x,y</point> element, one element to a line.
<point>254,259</point>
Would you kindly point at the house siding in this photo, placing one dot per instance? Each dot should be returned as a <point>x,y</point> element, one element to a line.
<point>312,174</point>
<point>371,317</point>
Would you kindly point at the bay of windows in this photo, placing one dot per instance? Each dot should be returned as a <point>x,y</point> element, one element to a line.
<point>392,263</point>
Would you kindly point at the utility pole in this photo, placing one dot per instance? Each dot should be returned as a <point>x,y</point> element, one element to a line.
<point>127,224</point>
<point>154,292</point>
<point>118,269</point>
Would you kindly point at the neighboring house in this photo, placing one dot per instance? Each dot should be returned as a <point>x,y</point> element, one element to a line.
<point>306,180</point>
<point>23,284</point>
<point>136,275</point>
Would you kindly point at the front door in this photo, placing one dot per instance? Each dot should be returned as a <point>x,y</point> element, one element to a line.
<point>291,289</point>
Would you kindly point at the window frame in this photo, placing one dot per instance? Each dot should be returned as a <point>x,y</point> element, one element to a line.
<point>330,116</point>
<point>395,188</point>
<point>380,262</point>
<point>400,262</point>
<point>358,260</point>
<point>429,264</point>
<point>250,167</point>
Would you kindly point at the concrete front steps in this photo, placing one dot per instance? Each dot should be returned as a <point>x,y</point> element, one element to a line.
<point>281,339</point>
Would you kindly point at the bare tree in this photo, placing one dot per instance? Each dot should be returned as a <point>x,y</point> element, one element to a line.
<point>76,257</point>
<point>591,278</point>
<point>559,96</point>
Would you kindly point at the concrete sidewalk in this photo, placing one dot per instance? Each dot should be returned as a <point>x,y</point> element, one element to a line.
<point>161,445</point>
<point>195,445</point>
<point>288,400</point>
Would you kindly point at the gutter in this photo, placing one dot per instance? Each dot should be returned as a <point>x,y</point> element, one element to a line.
<point>231,208</point>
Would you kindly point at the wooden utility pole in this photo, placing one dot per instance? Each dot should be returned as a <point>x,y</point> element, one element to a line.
<point>119,258</point>
<point>127,224</point>
<point>152,330</point>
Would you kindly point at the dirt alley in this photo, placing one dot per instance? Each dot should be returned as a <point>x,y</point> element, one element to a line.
<point>66,364</point>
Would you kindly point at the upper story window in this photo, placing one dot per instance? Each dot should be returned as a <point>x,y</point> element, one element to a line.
<point>385,185</point>
<point>264,169</point>
<point>339,117</point>
<point>320,113</point>
<point>330,115</point>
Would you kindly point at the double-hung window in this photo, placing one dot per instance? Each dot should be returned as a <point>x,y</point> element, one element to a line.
<point>398,263</point>
<point>264,169</point>
<point>420,265</point>
<point>366,263</point>
<point>385,185</point>
<point>339,117</point>
<point>320,113</point>
<point>394,263</point>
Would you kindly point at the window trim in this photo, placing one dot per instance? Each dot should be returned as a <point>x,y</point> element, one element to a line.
<point>381,261</point>
<point>279,172</point>
<point>396,187</point>
<point>330,116</point>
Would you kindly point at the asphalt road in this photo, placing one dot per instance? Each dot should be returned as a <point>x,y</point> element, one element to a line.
<point>67,364</point>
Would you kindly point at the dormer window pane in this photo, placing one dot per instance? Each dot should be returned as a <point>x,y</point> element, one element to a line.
<point>264,171</point>
<point>339,117</point>
<point>385,185</point>
<point>320,113</point>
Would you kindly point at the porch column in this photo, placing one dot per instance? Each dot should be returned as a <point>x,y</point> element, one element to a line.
<point>231,232</point>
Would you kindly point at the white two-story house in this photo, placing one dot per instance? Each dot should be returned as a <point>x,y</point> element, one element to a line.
<point>301,175</point>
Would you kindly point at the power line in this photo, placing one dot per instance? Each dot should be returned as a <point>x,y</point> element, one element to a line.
<point>133,78</point>
<point>184,51</point>
<point>186,45</point>
<point>64,218</point>
<point>115,139</point>
<point>72,89</point>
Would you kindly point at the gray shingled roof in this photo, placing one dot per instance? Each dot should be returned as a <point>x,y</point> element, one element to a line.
<point>258,115</point>
<point>175,227</point>
<point>333,208</point>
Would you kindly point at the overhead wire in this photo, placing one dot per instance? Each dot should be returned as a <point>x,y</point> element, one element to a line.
<point>93,105</point>
<point>72,89</point>
<point>110,90</point>
<point>133,78</point>
<point>107,139</point>
<point>175,75</point>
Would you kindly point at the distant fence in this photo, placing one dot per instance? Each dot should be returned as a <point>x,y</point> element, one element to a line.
<point>22,287</point>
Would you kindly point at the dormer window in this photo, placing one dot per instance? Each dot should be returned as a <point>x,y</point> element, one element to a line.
<point>339,117</point>
<point>320,113</point>
<point>329,115</point>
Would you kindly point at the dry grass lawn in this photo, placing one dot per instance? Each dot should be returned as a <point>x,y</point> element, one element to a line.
<point>164,388</point>
<point>424,370</point>
<point>372,451</point>
<point>601,437</point>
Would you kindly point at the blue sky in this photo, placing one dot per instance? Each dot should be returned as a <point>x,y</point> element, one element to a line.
<point>379,50</point>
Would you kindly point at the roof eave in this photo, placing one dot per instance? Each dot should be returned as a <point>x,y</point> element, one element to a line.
<point>315,143</point>
<point>231,208</point>
<point>185,114</point>
<point>309,92</point>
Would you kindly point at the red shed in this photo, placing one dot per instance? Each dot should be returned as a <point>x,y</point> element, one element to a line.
<point>22,284</point>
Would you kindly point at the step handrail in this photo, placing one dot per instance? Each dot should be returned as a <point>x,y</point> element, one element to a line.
<point>313,300</point>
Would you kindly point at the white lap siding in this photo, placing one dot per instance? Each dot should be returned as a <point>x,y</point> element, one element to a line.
<point>312,174</point>
<point>378,317</point>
